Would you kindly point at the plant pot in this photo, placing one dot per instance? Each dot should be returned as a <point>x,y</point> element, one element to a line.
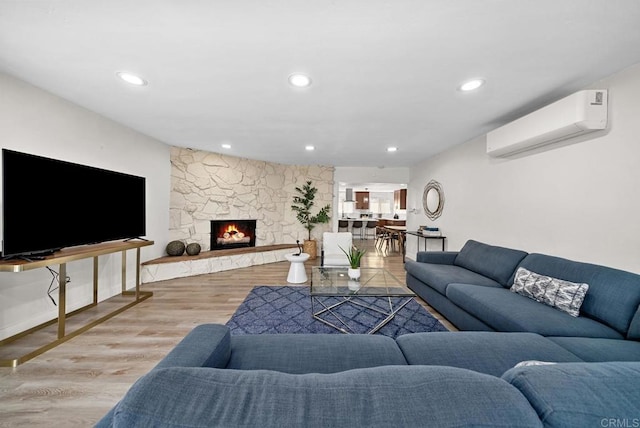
<point>310,247</point>
<point>354,273</point>
<point>353,285</point>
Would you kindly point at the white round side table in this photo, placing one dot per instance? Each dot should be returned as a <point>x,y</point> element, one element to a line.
<point>297,273</point>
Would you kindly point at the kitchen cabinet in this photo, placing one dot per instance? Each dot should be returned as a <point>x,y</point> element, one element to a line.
<point>389,222</point>
<point>400,199</point>
<point>362,200</point>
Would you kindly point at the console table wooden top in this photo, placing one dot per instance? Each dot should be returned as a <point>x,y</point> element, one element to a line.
<point>71,254</point>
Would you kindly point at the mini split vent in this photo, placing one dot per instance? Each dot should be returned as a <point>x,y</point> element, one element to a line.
<point>575,115</point>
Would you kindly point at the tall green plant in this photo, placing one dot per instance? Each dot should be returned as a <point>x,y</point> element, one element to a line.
<point>302,205</point>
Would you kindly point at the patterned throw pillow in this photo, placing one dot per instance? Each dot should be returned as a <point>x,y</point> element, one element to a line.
<point>557,293</point>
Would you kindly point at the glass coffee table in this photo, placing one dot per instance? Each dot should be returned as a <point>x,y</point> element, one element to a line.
<point>377,293</point>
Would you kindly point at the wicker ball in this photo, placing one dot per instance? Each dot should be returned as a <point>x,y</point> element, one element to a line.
<point>175,248</point>
<point>193,249</point>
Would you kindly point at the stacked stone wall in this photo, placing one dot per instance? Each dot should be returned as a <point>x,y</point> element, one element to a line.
<point>211,186</point>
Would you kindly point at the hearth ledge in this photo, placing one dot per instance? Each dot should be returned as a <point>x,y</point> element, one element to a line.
<point>169,267</point>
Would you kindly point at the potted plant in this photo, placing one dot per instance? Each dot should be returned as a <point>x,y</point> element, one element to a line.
<point>302,205</point>
<point>354,255</point>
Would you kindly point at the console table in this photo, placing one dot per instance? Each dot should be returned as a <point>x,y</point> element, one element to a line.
<point>426,239</point>
<point>61,258</point>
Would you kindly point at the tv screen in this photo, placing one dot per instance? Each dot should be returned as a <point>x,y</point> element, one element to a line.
<point>49,204</point>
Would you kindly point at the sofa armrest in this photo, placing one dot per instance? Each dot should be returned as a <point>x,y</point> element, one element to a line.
<point>207,345</point>
<point>581,394</point>
<point>436,257</point>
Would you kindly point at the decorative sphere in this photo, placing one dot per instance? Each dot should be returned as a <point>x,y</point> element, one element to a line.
<point>193,249</point>
<point>175,248</point>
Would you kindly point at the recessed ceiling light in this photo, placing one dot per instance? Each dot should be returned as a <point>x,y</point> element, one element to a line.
<point>309,148</point>
<point>299,80</point>
<point>226,146</point>
<point>131,78</point>
<point>471,85</point>
<point>392,149</point>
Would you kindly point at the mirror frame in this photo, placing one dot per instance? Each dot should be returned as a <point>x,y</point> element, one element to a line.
<point>433,185</point>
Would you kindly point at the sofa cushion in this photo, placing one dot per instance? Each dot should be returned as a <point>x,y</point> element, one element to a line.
<point>599,350</point>
<point>560,294</point>
<point>506,311</point>
<point>497,263</point>
<point>485,352</point>
<point>581,394</point>
<point>312,353</point>
<point>439,276</point>
<point>407,396</point>
<point>613,296</point>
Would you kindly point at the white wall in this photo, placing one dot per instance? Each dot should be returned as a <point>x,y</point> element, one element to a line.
<point>580,201</point>
<point>40,123</point>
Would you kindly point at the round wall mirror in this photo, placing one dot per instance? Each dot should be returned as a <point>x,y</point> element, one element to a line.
<point>433,200</point>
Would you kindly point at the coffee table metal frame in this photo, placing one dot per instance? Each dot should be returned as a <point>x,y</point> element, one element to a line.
<point>329,283</point>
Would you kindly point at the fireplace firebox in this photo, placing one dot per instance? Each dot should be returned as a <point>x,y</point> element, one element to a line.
<point>227,234</point>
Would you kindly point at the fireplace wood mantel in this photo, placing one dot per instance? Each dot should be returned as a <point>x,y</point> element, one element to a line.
<point>214,261</point>
<point>219,253</point>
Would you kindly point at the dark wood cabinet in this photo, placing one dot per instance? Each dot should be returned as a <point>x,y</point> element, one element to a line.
<point>400,199</point>
<point>362,200</point>
<point>387,222</point>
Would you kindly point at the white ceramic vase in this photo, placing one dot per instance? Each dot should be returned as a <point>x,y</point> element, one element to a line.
<point>354,273</point>
<point>353,285</point>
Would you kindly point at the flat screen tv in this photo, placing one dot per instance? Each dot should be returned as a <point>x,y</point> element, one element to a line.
<point>49,204</point>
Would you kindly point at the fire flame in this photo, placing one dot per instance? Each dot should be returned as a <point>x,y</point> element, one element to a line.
<point>233,233</point>
<point>231,228</point>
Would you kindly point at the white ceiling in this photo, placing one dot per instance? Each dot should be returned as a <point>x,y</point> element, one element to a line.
<point>384,72</point>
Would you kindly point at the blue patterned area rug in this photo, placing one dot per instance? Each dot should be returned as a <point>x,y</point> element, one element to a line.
<point>287,309</point>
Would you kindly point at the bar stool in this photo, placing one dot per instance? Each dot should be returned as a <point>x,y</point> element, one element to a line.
<point>357,224</point>
<point>343,225</point>
<point>370,229</point>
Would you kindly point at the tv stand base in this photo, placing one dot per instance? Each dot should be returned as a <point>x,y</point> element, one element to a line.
<point>21,340</point>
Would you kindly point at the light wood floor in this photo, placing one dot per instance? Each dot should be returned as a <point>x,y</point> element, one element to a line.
<point>76,383</point>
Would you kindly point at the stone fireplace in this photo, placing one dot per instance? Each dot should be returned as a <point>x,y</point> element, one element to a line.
<point>227,234</point>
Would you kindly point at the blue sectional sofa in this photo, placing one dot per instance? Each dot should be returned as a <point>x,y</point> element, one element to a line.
<point>471,288</point>
<point>527,363</point>
<point>442,379</point>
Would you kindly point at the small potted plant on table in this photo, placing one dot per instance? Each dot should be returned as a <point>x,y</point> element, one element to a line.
<point>354,255</point>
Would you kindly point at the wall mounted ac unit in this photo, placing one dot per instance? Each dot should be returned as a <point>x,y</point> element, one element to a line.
<point>577,114</point>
